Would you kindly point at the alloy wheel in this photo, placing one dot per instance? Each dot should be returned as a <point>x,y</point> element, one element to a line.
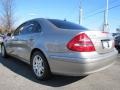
<point>38,66</point>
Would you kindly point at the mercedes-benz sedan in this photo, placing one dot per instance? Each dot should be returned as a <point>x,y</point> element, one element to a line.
<point>60,47</point>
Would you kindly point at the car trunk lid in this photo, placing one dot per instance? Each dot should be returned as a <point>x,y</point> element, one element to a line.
<point>103,42</point>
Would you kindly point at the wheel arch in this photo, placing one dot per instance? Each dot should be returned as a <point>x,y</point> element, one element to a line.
<point>48,74</point>
<point>37,49</point>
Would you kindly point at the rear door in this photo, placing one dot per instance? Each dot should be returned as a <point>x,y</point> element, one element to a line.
<point>27,38</point>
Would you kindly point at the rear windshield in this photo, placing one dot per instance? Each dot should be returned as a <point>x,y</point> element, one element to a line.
<point>66,25</point>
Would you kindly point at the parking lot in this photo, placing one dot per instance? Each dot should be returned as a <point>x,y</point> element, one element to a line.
<point>16,75</point>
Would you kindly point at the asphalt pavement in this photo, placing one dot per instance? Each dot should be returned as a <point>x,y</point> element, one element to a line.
<point>16,75</point>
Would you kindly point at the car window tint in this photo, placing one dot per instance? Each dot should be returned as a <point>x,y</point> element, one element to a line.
<point>31,27</point>
<point>66,25</point>
<point>27,29</point>
<point>17,31</point>
<point>37,27</point>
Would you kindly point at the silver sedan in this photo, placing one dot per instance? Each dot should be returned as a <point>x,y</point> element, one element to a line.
<point>60,47</point>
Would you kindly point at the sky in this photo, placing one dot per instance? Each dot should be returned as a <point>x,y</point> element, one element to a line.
<point>69,9</point>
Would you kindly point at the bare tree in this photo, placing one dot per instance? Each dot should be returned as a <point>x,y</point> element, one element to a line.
<point>7,15</point>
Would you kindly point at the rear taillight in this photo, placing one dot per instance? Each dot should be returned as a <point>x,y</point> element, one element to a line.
<point>81,43</point>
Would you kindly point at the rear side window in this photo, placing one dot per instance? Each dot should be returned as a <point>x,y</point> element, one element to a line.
<point>66,25</point>
<point>28,29</point>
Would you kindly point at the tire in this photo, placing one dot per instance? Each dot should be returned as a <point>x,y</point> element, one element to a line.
<point>40,66</point>
<point>3,51</point>
<point>118,48</point>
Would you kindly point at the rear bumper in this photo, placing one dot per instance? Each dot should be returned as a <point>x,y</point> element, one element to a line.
<point>80,67</point>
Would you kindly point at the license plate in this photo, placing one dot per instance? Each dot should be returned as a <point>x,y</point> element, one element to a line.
<point>107,44</point>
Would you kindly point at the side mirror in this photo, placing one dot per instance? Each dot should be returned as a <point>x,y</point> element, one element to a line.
<point>9,34</point>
